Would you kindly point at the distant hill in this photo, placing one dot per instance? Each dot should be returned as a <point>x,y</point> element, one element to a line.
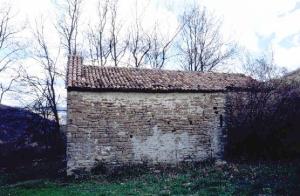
<point>24,134</point>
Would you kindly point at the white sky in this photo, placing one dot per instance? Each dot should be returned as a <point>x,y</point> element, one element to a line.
<point>256,25</point>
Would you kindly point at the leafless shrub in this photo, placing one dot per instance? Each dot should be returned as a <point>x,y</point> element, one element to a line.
<point>262,123</point>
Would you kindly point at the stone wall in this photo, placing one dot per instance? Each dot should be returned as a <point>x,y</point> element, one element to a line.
<point>132,128</point>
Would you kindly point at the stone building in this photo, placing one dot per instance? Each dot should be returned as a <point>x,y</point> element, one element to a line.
<point>120,116</point>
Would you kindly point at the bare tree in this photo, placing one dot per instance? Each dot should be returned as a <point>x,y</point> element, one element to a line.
<point>160,45</point>
<point>4,88</point>
<point>139,45</point>
<point>68,25</point>
<point>117,45</point>
<point>99,49</point>
<point>9,50</point>
<point>201,45</point>
<point>262,68</point>
<point>42,87</point>
<point>139,41</point>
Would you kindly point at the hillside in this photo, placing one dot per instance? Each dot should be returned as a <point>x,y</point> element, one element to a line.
<point>23,134</point>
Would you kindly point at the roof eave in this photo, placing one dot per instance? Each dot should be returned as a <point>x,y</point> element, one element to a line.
<point>87,89</point>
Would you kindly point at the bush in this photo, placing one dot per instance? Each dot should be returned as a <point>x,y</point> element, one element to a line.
<point>264,122</point>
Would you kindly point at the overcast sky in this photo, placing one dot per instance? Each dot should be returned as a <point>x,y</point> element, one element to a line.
<point>256,25</point>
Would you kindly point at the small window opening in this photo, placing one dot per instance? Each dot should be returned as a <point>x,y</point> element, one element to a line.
<point>191,122</point>
<point>215,108</point>
<point>130,136</point>
<point>221,120</point>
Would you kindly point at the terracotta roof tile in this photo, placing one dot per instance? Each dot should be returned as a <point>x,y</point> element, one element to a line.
<point>97,78</point>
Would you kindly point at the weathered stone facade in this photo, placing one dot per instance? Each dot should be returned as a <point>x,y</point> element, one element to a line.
<point>120,116</point>
<point>129,127</point>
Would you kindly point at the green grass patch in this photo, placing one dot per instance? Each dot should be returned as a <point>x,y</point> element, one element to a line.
<point>231,179</point>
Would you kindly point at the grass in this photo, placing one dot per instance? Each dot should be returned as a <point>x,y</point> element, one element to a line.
<point>231,179</point>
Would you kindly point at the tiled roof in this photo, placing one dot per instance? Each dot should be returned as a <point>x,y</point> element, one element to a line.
<point>295,75</point>
<point>95,78</point>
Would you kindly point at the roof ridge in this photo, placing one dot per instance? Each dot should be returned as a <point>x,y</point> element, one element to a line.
<point>163,70</point>
<point>110,78</point>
